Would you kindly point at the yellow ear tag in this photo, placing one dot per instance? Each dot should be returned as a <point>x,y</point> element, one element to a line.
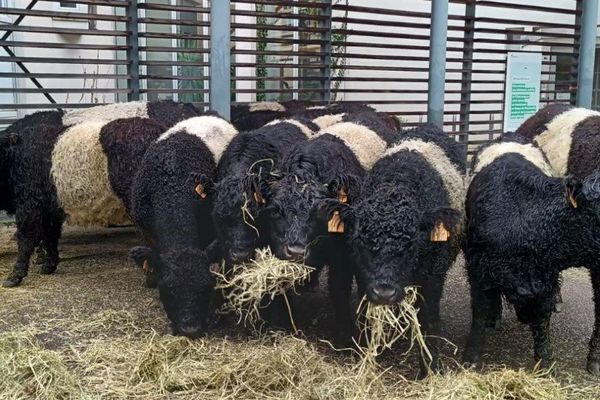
<point>572,200</point>
<point>335,223</point>
<point>342,196</point>
<point>200,190</point>
<point>440,233</point>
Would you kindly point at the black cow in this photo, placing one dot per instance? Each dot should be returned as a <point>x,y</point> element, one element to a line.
<point>331,164</point>
<point>81,173</point>
<point>248,164</point>
<point>405,228</point>
<point>171,205</point>
<point>524,227</point>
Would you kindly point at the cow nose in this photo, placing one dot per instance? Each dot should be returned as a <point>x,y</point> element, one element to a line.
<point>294,251</point>
<point>382,294</point>
<point>192,332</point>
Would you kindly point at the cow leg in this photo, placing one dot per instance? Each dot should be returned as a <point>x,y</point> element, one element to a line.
<point>340,290</point>
<point>593,360</point>
<point>429,318</point>
<point>485,305</point>
<point>558,301</point>
<point>542,349</point>
<point>28,237</point>
<point>50,237</point>
<point>40,255</point>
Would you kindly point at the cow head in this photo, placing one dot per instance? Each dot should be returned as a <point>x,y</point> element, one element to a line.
<point>185,285</point>
<point>239,204</point>
<point>290,215</point>
<point>389,235</point>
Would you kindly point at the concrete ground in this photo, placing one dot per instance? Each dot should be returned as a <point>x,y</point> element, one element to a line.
<point>95,274</point>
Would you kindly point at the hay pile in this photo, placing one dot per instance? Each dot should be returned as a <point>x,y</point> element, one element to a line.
<point>144,365</point>
<point>250,286</point>
<point>384,325</point>
<point>497,384</point>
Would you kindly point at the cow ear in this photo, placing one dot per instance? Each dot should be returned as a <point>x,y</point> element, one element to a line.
<point>202,185</point>
<point>9,139</point>
<point>441,223</point>
<point>143,257</point>
<point>256,189</point>
<point>345,188</point>
<point>573,192</point>
<point>333,216</point>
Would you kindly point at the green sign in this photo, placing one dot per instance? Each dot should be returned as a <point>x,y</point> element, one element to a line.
<point>522,98</point>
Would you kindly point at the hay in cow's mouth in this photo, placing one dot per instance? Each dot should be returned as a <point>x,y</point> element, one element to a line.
<point>384,325</point>
<point>249,286</point>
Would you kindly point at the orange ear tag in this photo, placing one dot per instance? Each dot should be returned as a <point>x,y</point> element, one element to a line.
<point>440,233</point>
<point>200,190</point>
<point>335,223</point>
<point>343,196</point>
<point>146,267</point>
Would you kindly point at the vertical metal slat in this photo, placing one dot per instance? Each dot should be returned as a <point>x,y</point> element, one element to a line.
<point>220,57</point>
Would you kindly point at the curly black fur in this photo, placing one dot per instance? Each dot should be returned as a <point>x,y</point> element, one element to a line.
<point>26,187</point>
<point>375,122</point>
<point>168,112</point>
<point>124,142</point>
<point>175,220</point>
<point>245,121</point>
<point>334,108</point>
<point>313,171</point>
<point>10,137</point>
<point>585,147</point>
<point>521,232</point>
<point>389,228</point>
<point>536,124</point>
<point>38,214</point>
<point>247,165</point>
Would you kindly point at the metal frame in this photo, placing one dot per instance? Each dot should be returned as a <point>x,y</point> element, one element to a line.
<point>587,53</point>
<point>133,52</point>
<point>477,44</point>
<point>467,66</point>
<point>326,50</point>
<point>437,62</point>
<point>220,57</point>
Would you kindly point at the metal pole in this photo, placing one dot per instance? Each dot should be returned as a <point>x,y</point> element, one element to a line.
<point>133,52</point>
<point>437,62</point>
<point>220,57</point>
<point>467,67</point>
<point>326,50</point>
<point>587,53</point>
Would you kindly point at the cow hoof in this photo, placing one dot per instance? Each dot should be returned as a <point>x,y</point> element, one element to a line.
<point>12,282</point>
<point>48,269</point>
<point>593,367</point>
<point>470,358</point>
<point>423,373</point>
<point>151,281</point>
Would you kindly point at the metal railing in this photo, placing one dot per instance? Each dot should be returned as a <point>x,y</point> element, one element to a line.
<point>69,54</point>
